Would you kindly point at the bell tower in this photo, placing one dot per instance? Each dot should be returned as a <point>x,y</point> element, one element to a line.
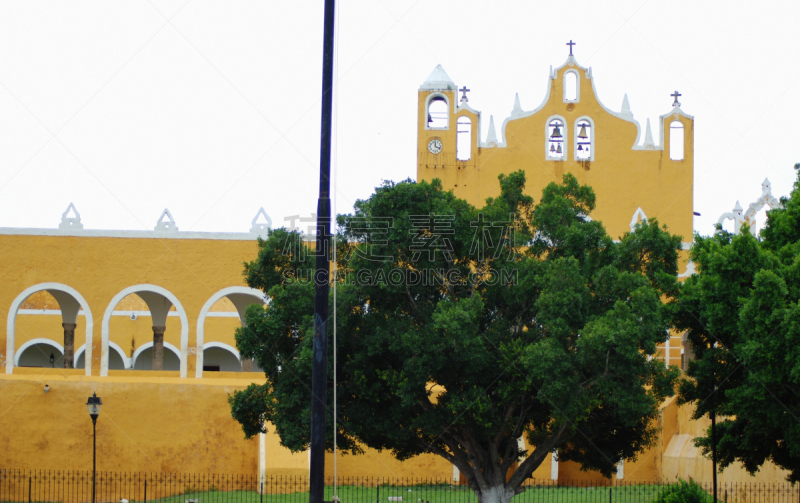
<point>436,124</point>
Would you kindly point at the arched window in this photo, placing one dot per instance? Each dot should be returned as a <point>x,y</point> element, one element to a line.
<point>463,139</point>
<point>437,113</point>
<point>556,136</point>
<point>676,141</point>
<point>584,140</point>
<point>571,86</point>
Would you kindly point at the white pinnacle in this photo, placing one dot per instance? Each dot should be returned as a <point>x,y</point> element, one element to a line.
<point>492,138</point>
<point>648,136</point>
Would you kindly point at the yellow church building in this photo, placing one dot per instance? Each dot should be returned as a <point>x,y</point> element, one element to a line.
<point>121,296</point>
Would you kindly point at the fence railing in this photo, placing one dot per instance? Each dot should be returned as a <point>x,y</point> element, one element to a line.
<point>50,486</point>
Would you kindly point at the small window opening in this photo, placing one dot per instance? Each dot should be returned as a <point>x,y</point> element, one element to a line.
<point>676,141</point>
<point>211,368</point>
<point>583,151</point>
<point>463,139</point>
<point>437,113</point>
<point>570,86</point>
<point>555,139</point>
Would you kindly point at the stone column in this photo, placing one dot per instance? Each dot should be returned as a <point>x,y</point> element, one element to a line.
<point>247,365</point>
<point>69,345</point>
<point>158,348</point>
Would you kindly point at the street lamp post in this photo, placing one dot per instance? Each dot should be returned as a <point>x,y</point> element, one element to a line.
<point>94,403</point>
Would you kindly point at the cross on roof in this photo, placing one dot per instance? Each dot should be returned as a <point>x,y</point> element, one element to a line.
<point>570,44</point>
<point>464,92</point>
<point>675,95</point>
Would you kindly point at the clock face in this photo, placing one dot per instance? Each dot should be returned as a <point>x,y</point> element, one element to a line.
<point>435,146</point>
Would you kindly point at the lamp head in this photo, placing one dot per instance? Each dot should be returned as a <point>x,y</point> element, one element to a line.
<point>46,388</point>
<point>94,404</point>
<point>52,359</point>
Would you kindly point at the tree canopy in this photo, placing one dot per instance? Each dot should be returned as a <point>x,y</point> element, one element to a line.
<point>743,320</point>
<point>461,330</point>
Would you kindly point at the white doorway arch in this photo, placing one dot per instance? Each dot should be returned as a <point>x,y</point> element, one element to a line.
<point>241,296</point>
<point>184,350</point>
<point>126,362</point>
<point>51,287</point>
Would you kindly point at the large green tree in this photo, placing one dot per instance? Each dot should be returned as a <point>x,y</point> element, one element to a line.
<point>461,330</point>
<point>743,320</point>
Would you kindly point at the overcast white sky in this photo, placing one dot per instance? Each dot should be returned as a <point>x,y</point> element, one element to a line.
<point>211,109</point>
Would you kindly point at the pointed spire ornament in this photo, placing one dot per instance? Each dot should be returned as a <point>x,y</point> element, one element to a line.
<point>648,136</point>
<point>492,138</point>
<point>626,107</point>
<point>517,107</point>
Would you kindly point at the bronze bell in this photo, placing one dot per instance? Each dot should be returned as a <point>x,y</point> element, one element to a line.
<point>580,147</point>
<point>552,148</point>
<point>582,133</point>
<point>558,149</point>
<point>556,133</point>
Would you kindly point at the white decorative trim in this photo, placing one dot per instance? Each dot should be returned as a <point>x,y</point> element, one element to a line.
<point>113,345</point>
<point>735,215</point>
<point>638,216</point>
<point>127,314</point>
<point>222,345</point>
<point>258,295</point>
<point>620,469</point>
<point>147,345</point>
<point>690,270</point>
<point>577,86</point>
<point>450,111</point>
<point>592,144</point>
<point>68,223</point>
<point>32,342</point>
<point>184,351</point>
<point>12,319</point>
<point>166,226</point>
<point>554,466</point>
<point>262,459</point>
<point>261,229</point>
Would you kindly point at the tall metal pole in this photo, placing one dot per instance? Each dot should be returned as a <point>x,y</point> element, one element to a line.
<point>319,379</point>
<point>714,449</point>
<point>94,455</point>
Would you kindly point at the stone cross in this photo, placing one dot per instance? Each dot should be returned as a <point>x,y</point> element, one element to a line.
<point>464,92</point>
<point>675,95</point>
<point>570,44</point>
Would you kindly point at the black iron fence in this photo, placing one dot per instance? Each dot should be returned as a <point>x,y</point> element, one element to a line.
<point>43,486</point>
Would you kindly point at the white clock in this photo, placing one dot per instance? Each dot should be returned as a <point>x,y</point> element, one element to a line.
<point>435,146</point>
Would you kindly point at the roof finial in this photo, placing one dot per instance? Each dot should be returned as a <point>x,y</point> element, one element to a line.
<point>648,137</point>
<point>492,138</point>
<point>570,44</point>
<point>675,95</point>
<point>517,107</point>
<point>626,107</point>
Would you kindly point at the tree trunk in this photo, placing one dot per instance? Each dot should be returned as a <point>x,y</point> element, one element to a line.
<point>158,348</point>
<point>496,494</point>
<point>69,345</point>
<point>247,365</point>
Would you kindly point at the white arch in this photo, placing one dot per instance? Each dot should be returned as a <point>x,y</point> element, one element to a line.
<point>564,135</point>
<point>428,101</point>
<point>49,342</point>
<point>591,138</point>
<point>148,345</point>
<point>257,295</point>
<point>182,355</point>
<point>113,345</point>
<point>577,86</point>
<point>12,320</point>
<point>226,347</point>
